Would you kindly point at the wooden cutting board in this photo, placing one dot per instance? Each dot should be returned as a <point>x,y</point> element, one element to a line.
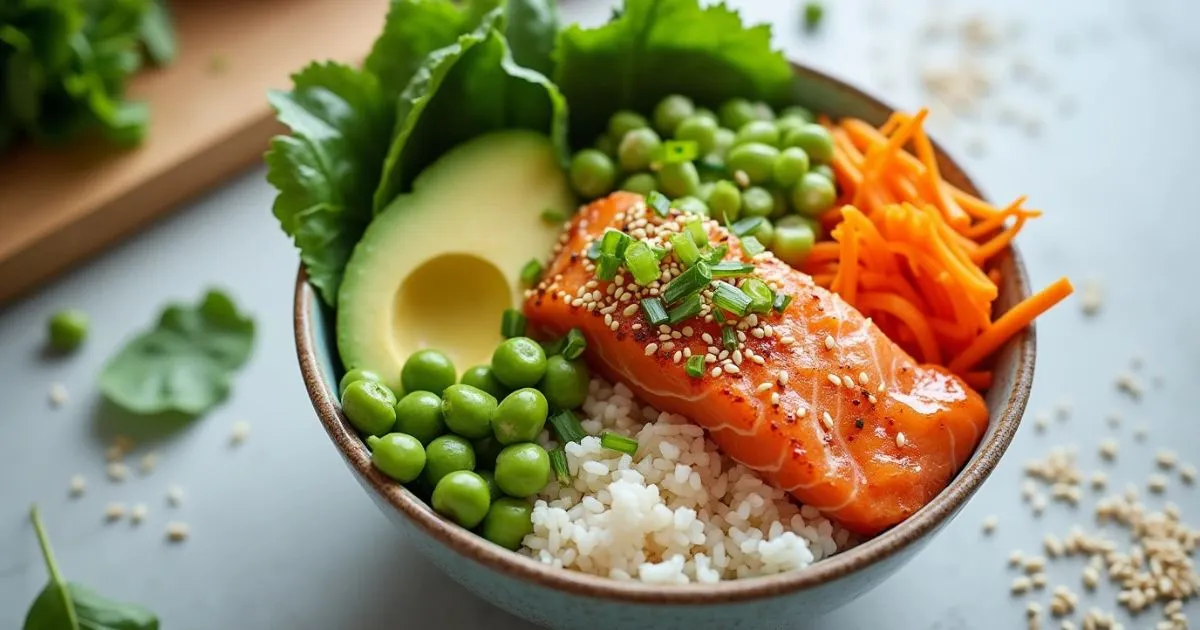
<point>209,120</point>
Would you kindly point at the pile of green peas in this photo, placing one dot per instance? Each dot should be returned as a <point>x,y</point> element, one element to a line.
<point>750,162</point>
<point>469,443</point>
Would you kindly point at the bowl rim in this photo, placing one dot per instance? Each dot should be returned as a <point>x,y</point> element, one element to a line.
<point>466,543</point>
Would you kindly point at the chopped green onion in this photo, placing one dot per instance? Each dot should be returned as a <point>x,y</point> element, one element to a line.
<point>814,12</point>
<point>713,167</point>
<point>642,263</point>
<point>688,308</point>
<point>660,252</point>
<point>558,461</point>
<point>567,427</point>
<point>730,298</point>
<point>695,228</point>
<point>745,226</point>
<point>554,346</point>
<point>695,366</point>
<point>593,251</point>
<point>729,338</point>
<point>550,215</point>
<point>678,151</point>
<point>761,296</point>
<point>659,202</point>
<point>575,344</point>
<point>531,272</point>
<point>752,246</point>
<point>685,248</point>
<point>655,312</point>
<point>717,254</point>
<point>730,269</point>
<point>607,266</point>
<point>719,315</point>
<point>781,301</point>
<point>512,324</point>
<point>614,242</point>
<point>619,443</point>
<point>687,283</point>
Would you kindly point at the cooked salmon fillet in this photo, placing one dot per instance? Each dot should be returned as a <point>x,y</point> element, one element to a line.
<point>816,398</point>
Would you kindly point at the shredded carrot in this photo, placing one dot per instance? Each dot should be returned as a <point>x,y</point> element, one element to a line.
<point>914,252</point>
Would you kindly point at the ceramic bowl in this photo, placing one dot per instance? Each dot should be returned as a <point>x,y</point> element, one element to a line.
<point>559,598</point>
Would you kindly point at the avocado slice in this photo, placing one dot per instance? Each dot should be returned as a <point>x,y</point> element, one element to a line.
<point>438,266</point>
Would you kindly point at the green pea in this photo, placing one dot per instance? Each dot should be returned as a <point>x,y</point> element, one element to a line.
<point>814,139</point>
<point>486,451</point>
<point>691,205</point>
<point>357,374</point>
<point>370,407</point>
<point>521,416</point>
<point>724,140</point>
<point>468,410</point>
<point>522,470</point>
<point>67,329</point>
<point>419,414</point>
<point>790,166</point>
<point>427,370</point>
<point>757,202</point>
<point>638,149</point>
<point>757,131</point>
<point>786,125</point>
<point>489,478</point>
<point>825,171</point>
<point>736,112</point>
<point>481,377</point>
<point>462,496</point>
<point>671,111</point>
<point>446,454</point>
<point>678,180</point>
<point>640,183</point>
<point>605,145</point>
<point>783,204</point>
<point>797,112</point>
<point>705,112</point>
<point>765,233</point>
<point>592,173</point>
<point>519,362</point>
<point>701,130</point>
<point>508,522</point>
<point>397,455</point>
<point>623,122</point>
<point>813,194</point>
<point>793,243</point>
<point>725,201</point>
<point>762,111</point>
<point>795,220</point>
<point>566,382</point>
<point>755,159</point>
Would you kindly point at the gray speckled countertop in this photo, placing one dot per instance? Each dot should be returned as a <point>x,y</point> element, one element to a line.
<point>282,537</point>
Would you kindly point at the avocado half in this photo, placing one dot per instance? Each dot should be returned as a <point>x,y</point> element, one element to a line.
<point>439,265</point>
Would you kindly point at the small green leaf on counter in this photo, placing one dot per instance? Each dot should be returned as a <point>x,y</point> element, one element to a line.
<point>157,32</point>
<point>814,12</point>
<point>65,605</point>
<point>185,363</point>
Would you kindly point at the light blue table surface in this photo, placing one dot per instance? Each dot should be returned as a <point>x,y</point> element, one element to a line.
<point>283,537</point>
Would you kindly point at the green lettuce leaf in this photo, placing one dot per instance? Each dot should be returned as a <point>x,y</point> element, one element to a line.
<point>531,31</point>
<point>654,48</point>
<point>327,169</point>
<point>463,91</point>
<point>412,30</point>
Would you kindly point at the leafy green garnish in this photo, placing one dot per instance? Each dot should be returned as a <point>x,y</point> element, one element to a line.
<point>814,12</point>
<point>464,91</point>
<point>655,48</point>
<point>64,64</point>
<point>66,605</point>
<point>185,364</point>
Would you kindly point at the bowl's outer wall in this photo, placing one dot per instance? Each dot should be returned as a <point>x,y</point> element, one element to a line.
<point>561,609</point>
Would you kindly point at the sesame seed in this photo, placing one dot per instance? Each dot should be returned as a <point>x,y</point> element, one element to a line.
<point>114,512</point>
<point>148,463</point>
<point>617,325</point>
<point>174,496</point>
<point>78,485</point>
<point>1020,585</point>
<point>774,398</point>
<point>863,378</point>
<point>57,395</point>
<point>759,360</point>
<point>608,320</point>
<point>880,388</point>
<point>1108,449</point>
<point>737,357</point>
<point>1099,480</point>
<point>827,420</point>
<point>872,399</point>
<point>687,331</point>
<point>768,330</point>
<point>117,471</point>
<point>833,378</point>
<point>687,352</point>
<point>901,439</point>
<point>787,340</point>
<point>1035,564</point>
<point>762,387</point>
<point>732,369</point>
<point>782,376</point>
<point>1157,483</point>
<point>757,333</point>
<point>630,310</point>
<point>715,372</point>
<point>670,345</point>
<point>723,355</point>
<point>1187,474</point>
<point>801,412</point>
<point>848,382</point>
<point>138,513</point>
<point>707,338</point>
<point>1165,459</point>
<point>651,348</point>
<point>1015,558</point>
<point>989,523</point>
<point>829,342</point>
<point>177,531</point>
<point>710,358</point>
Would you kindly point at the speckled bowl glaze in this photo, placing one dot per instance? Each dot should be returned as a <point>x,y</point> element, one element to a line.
<point>566,599</point>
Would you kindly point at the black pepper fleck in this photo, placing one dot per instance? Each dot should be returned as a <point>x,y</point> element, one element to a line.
<point>858,423</point>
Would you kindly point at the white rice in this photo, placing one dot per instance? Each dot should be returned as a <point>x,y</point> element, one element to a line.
<point>678,512</point>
